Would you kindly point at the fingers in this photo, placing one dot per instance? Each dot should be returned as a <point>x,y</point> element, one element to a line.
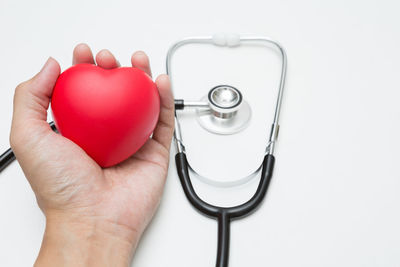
<point>141,61</point>
<point>165,127</point>
<point>106,60</point>
<point>82,54</point>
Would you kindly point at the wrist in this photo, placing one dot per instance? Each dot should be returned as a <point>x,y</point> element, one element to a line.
<point>76,240</point>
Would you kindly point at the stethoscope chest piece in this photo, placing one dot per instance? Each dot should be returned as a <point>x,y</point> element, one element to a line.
<point>227,112</point>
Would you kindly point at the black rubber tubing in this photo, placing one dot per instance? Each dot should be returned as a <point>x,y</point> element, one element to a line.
<point>6,158</point>
<point>224,215</point>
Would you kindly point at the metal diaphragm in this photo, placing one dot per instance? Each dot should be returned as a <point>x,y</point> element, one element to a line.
<point>229,113</point>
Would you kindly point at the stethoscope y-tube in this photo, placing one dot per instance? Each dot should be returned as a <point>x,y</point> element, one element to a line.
<point>224,215</point>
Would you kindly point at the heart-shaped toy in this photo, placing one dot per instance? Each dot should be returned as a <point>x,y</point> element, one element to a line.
<point>109,113</point>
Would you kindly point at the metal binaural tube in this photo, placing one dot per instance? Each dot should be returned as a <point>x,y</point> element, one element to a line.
<point>195,104</point>
<point>275,125</point>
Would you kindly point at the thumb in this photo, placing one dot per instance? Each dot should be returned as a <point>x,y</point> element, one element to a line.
<point>31,101</point>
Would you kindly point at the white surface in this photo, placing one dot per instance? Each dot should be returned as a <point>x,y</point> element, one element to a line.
<point>334,199</point>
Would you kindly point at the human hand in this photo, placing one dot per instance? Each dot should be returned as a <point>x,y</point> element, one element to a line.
<point>94,216</point>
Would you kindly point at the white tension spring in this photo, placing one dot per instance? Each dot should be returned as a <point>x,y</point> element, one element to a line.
<point>226,39</point>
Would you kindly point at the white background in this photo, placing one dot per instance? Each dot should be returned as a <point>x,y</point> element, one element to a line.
<point>334,199</point>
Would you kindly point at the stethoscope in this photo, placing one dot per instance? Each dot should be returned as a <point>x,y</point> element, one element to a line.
<point>222,111</point>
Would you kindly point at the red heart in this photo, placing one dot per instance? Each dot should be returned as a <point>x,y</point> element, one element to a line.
<point>109,113</point>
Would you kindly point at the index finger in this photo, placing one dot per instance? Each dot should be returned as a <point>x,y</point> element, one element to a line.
<point>82,54</point>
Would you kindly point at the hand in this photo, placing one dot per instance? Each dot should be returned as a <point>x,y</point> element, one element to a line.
<point>94,216</point>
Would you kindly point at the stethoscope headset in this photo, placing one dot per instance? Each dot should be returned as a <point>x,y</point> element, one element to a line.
<point>222,111</point>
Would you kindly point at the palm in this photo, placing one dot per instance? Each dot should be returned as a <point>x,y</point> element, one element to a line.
<point>121,193</point>
<point>144,173</point>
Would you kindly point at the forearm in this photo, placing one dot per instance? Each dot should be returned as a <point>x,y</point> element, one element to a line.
<point>83,242</point>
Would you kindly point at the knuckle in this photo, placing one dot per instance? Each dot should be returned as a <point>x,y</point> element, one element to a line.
<point>20,88</point>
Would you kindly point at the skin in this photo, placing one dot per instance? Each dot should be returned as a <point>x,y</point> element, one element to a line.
<point>94,216</point>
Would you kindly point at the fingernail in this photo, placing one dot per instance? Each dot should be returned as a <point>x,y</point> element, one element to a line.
<point>105,51</point>
<point>140,53</point>
<point>46,64</point>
